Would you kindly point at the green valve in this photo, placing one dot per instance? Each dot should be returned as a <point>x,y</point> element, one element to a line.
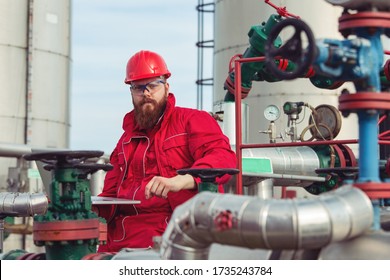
<point>69,230</point>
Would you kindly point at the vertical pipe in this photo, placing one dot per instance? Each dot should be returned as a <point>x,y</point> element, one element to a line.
<point>1,234</point>
<point>263,189</point>
<point>368,119</point>
<point>237,86</point>
<point>368,147</point>
<point>29,73</point>
<point>377,214</point>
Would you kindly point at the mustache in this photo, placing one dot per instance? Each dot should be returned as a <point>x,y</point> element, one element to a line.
<point>148,100</point>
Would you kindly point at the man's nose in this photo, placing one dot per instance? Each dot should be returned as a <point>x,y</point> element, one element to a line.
<point>146,92</point>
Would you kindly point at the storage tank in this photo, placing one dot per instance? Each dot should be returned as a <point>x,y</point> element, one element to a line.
<point>34,75</point>
<point>233,20</point>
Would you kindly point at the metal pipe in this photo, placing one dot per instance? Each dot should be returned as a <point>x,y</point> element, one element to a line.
<point>13,150</point>
<point>237,87</point>
<point>287,160</point>
<point>22,204</point>
<point>286,177</point>
<point>18,150</point>
<point>97,179</point>
<point>290,166</point>
<point>252,222</point>
<point>1,234</point>
<point>263,189</point>
<point>307,143</point>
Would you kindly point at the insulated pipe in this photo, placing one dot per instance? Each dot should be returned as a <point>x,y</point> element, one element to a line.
<point>301,160</point>
<point>265,224</point>
<point>263,189</point>
<point>18,150</point>
<point>289,165</point>
<point>13,150</point>
<point>22,204</point>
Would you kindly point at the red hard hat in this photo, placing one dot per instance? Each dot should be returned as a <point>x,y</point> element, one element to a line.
<point>145,64</point>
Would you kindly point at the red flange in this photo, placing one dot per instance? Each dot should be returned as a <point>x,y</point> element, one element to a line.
<point>348,155</point>
<point>66,230</point>
<point>231,88</point>
<point>343,162</point>
<point>364,19</point>
<point>364,101</point>
<point>374,190</point>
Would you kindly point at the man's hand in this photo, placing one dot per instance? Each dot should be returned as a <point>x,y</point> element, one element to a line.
<point>160,186</point>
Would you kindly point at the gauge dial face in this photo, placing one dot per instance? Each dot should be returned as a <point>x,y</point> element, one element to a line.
<point>326,124</point>
<point>272,112</point>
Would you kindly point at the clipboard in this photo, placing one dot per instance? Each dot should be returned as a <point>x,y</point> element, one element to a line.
<point>104,200</point>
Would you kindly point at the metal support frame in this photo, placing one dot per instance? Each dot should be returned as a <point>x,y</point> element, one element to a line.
<point>203,8</point>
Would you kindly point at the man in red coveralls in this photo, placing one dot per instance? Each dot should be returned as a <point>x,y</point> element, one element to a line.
<point>159,138</point>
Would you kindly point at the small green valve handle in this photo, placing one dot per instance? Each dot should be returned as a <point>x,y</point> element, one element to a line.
<point>208,176</point>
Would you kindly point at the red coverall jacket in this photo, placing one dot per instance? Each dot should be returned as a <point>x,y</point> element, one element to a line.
<point>184,138</point>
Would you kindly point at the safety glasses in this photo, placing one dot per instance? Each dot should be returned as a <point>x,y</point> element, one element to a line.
<point>151,87</point>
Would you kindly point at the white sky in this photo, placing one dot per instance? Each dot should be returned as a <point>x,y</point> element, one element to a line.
<point>104,36</point>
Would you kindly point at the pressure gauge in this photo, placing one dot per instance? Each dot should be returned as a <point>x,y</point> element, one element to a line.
<point>325,124</point>
<point>272,112</point>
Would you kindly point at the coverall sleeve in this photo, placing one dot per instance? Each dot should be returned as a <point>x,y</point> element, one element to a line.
<point>208,145</point>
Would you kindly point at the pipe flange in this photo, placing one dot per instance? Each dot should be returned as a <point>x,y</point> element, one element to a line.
<point>229,85</point>
<point>347,21</point>
<point>348,155</point>
<point>374,190</point>
<point>66,230</point>
<point>364,101</point>
<point>342,160</point>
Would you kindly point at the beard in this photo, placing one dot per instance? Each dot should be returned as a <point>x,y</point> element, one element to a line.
<point>148,111</point>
